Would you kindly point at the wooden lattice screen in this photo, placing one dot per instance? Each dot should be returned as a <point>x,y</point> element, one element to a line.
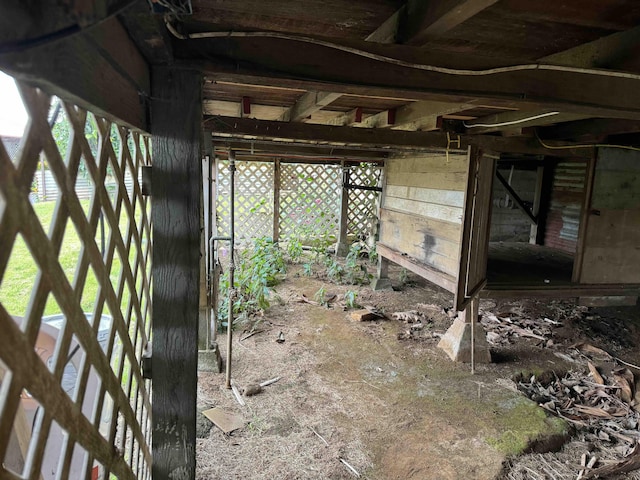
<point>74,301</point>
<point>309,200</point>
<point>362,216</point>
<point>254,199</point>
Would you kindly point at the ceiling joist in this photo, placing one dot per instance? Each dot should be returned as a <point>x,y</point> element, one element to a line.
<point>249,129</point>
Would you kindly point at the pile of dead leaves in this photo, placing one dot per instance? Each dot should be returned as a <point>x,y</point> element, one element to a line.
<point>600,403</point>
<point>503,330</point>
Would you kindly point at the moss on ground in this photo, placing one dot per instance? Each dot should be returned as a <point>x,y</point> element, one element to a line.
<point>525,426</point>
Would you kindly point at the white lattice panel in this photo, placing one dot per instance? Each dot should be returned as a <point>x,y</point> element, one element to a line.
<point>310,200</point>
<point>253,199</point>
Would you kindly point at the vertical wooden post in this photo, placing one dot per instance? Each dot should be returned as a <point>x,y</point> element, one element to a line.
<point>578,258</point>
<point>342,247</point>
<point>535,209</point>
<point>276,200</point>
<point>176,115</point>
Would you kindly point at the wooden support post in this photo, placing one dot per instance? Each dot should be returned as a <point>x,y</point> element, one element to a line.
<point>342,248</point>
<point>276,200</point>
<point>382,280</point>
<point>175,124</point>
<point>578,258</point>
<point>535,209</point>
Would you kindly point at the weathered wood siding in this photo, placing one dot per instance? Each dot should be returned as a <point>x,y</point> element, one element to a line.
<point>422,209</point>
<point>612,243</point>
<point>567,196</point>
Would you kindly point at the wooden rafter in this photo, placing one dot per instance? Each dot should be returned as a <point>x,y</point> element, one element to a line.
<point>565,91</point>
<point>424,20</point>
<point>414,116</point>
<point>264,130</point>
<point>307,104</point>
<point>517,120</point>
<point>607,51</point>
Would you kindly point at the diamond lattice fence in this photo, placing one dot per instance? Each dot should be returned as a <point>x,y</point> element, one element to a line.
<point>75,299</point>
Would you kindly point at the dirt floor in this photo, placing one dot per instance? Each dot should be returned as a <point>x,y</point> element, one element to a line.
<point>380,398</point>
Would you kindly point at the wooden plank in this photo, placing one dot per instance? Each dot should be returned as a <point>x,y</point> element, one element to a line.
<point>578,260</point>
<point>447,181</point>
<point>101,71</point>
<point>342,249</point>
<point>429,19</point>
<point>535,209</point>
<point>438,212</point>
<point>276,199</point>
<point>424,115</point>
<point>572,291</point>
<point>176,114</point>
<point>474,240</point>
<point>264,129</point>
<point>426,226</point>
<point>232,109</point>
<point>349,118</point>
<point>520,119</point>
<point>307,104</point>
<point>436,162</point>
<point>387,32</point>
<point>427,195</point>
<point>425,240</point>
<point>432,275</point>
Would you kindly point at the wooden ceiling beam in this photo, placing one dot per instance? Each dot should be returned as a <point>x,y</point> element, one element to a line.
<point>100,70</point>
<point>280,148</point>
<point>606,52</point>
<point>388,31</point>
<point>234,109</point>
<point>391,139</point>
<point>592,130</point>
<point>424,20</point>
<point>517,120</point>
<point>566,91</point>
<point>307,104</point>
<point>344,119</point>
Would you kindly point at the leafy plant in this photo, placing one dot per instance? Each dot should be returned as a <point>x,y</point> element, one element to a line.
<point>350,298</point>
<point>294,249</point>
<point>257,270</point>
<point>335,271</point>
<point>320,295</point>
<point>373,254</point>
<point>307,271</point>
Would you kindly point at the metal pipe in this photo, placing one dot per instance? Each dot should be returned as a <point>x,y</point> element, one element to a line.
<point>213,313</point>
<point>232,267</point>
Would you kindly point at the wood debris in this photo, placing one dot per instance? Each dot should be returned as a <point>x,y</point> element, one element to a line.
<point>363,315</point>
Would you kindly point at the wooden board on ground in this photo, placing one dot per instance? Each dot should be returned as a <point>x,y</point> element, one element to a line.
<point>225,421</point>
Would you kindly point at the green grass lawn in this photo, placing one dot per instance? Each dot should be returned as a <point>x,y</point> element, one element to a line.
<point>19,279</point>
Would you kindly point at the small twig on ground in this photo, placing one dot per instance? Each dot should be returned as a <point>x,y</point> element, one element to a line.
<point>319,436</point>
<point>269,382</point>
<point>236,393</point>
<point>251,334</point>
<point>353,470</point>
<point>627,364</point>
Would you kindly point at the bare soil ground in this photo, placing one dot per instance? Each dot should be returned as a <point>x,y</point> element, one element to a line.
<point>391,405</point>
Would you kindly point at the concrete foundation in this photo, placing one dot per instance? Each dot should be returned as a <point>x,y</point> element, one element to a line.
<point>456,342</point>
<point>381,283</point>
<point>210,360</point>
